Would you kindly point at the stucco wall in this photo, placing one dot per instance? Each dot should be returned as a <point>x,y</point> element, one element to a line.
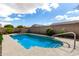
<point>73,27</point>
<point>40,30</point>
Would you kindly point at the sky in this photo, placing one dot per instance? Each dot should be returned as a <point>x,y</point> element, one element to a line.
<point>27,14</point>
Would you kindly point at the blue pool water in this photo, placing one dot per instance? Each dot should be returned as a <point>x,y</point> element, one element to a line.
<point>30,40</point>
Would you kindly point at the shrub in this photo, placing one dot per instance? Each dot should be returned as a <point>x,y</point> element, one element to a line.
<point>8,26</point>
<point>50,32</point>
<point>1,38</point>
<point>20,26</point>
<point>9,30</point>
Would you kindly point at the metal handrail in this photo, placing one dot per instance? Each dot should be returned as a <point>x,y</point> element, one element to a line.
<point>69,33</point>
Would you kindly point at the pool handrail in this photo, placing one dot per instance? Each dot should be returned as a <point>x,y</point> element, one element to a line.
<point>74,47</point>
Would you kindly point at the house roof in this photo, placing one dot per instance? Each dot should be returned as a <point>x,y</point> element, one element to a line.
<point>67,22</point>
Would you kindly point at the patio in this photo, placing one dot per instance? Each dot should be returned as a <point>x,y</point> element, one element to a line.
<point>10,47</point>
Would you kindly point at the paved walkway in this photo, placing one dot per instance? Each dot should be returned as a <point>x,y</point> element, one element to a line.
<point>10,47</point>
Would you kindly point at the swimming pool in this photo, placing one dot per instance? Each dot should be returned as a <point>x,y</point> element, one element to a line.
<point>31,40</point>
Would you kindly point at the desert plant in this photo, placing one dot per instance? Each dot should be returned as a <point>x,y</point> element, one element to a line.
<point>50,32</point>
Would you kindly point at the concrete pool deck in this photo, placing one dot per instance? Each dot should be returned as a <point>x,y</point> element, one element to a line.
<point>10,47</point>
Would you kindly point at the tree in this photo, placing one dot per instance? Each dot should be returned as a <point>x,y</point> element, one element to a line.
<point>9,28</point>
<point>20,26</point>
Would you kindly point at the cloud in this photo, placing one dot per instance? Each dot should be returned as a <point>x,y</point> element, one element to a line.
<point>70,15</point>
<point>66,18</point>
<point>55,5</point>
<point>27,8</point>
<point>61,17</point>
<point>4,23</point>
<point>5,10</point>
<point>9,19</point>
<point>19,15</point>
<point>73,11</point>
<point>73,18</point>
<point>49,7</point>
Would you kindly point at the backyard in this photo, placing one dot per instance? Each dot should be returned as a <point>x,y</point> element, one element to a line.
<point>38,42</point>
<point>39,29</point>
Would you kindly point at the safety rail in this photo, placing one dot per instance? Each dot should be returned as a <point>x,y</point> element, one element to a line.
<point>69,33</point>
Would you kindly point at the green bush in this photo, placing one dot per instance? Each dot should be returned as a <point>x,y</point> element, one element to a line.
<point>9,28</point>
<point>1,38</point>
<point>50,32</point>
<point>20,26</point>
